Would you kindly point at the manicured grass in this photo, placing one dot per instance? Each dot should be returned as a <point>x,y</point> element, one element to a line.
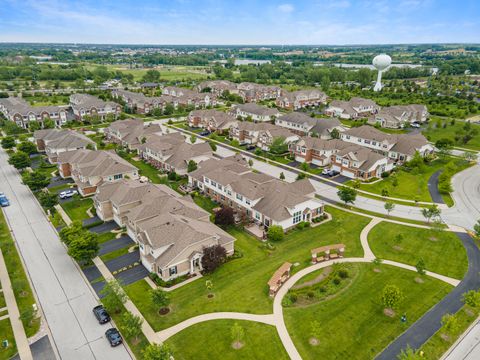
<point>352,323</point>
<point>146,169</point>
<point>20,284</point>
<point>7,334</point>
<point>58,188</point>
<point>437,345</point>
<point>77,208</point>
<point>115,254</point>
<point>442,251</point>
<point>205,203</point>
<point>212,340</point>
<point>411,185</point>
<point>106,237</point>
<point>2,301</point>
<point>433,134</point>
<point>241,284</point>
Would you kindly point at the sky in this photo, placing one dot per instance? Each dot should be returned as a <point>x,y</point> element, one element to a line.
<point>230,22</point>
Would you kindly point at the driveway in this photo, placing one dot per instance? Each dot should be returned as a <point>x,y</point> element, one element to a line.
<point>93,220</point>
<point>41,349</point>
<point>123,261</point>
<point>56,181</point>
<point>105,227</point>
<point>115,244</point>
<point>433,188</point>
<point>64,295</point>
<point>429,323</point>
<point>130,276</point>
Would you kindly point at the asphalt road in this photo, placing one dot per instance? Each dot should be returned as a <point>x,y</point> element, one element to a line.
<point>430,322</point>
<point>65,297</point>
<point>433,188</point>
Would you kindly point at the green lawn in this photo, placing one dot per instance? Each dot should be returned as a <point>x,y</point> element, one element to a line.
<point>352,323</point>
<point>114,254</point>
<point>411,185</point>
<point>56,189</point>
<point>433,134</point>
<point>261,341</point>
<point>106,237</point>
<point>20,284</point>
<point>442,251</point>
<point>6,333</point>
<point>205,203</point>
<point>77,208</point>
<point>249,274</point>
<point>146,169</point>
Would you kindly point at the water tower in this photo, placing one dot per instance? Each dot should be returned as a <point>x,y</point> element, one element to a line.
<point>381,62</point>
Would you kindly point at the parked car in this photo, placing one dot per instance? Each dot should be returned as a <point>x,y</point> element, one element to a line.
<point>101,314</point>
<point>333,173</point>
<point>415,125</point>
<point>68,193</point>
<point>250,147</point>
<point>204,133</point>
<point>113,337</point>
<point>4,200</point>
<point>325,171</point>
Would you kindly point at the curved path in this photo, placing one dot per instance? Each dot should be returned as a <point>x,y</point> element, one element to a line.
<point>433,187</point>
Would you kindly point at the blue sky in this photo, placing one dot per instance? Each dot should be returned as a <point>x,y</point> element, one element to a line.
<point>240,22</point>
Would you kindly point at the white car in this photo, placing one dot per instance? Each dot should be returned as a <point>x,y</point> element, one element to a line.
<point>325,171</point>
<point>68,193</point>
<point>415,125</point>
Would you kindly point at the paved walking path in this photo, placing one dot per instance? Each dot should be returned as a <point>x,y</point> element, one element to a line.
<point>66,219</point>
<point>14,314</point>
<point>367,252</point>
<point>147,330</point>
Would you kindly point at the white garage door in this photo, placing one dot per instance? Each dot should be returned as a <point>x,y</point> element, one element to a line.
<point>349,174</point>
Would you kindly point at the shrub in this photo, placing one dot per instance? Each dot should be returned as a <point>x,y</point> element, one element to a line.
<point>385,175</point>
<point>275,233</point>
<point>337,280</point>
<point>343,273</point>
<point>213,257</point>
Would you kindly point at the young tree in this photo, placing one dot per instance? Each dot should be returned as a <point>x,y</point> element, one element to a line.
<point>471,298</point>
<point>28,315</point>
<point>191,166</point>
<point>20,160</point>
<point>385,192</point>
<point>275,233</point>
<point>282,176</point>
<point>431,212</point>
<point>8,142</point>
<point>27,147</point>
<point>476,228</point>
<point>157,352</point>
<point>33,126</point>
<point>279,146</point>
<point>335,134</point>
<point>48,123</point>
<point>238,334</point>
<point>84,247</point>
<point>304,166</point>
<point>421,267</point>
<point>213,257</point>
<point>315,330</point>
<point>113,296</point>
<point>301,176</point>
<point>160,298</point>
<point>213,146</point>
<point>35,180</point>
<point>391,296</point>
<point>224,217</point>
<point>347,194</point>
<point>409,354</point>
<point>450,323</point>
<point>250,162</point>
<point>47,200</point>
<point>389,206</point>
<point>193,139</point>
<point>132,326</point>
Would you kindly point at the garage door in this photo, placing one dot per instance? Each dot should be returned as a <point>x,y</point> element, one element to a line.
<point>299,159</point>
<point>317,162</point>
<point>348,174</point>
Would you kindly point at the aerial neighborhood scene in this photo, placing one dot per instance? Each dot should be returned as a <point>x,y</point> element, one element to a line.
<point>240,180</point>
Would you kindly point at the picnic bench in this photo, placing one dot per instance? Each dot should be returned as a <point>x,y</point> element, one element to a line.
<point>327,252</point>
<point>279,278</point>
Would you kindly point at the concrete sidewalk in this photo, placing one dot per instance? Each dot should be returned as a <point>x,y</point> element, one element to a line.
<point>14,314</point>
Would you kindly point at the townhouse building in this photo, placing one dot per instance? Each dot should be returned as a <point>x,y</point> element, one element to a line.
<point>211,120</point>
<point>316,151</point>
<point>217,87</point>
<point>55,141</point>
<point>170,229</point>
<point>131,133</point>
<point>20,112</point>
<point>187,97</point>
<point>267,137</point>
<point>301,99</point>
<point>89,168</point>
<point>397,147</point>
<point>400,115</point>
<point>252,92</point>
<point>246,132</point>
<point>171,153</point>
<point>256,112</point>
<point>353,109</point>
<point>302,124</point>
<point>88,105</point>
<point>257,197</point>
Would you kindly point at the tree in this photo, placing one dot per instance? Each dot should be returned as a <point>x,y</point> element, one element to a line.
<point>335,134</point>
<point>389,206</point>
<point>391,296</point>
<point>347,194</point>
<point>301,176</point>
<point>68,233</point>
<point>471,298</point>
<point>193,139</point>
<point>28,315</point>
<point>304,166</point>
<point>34,126</point>
<point>157,352</point>
<point>409,354</point>
<point>278,146</point>
<point>191,166</point>
<point>450,323</point>
<point>224,217</point>
<point>238,334</point>
<point>27,147</point>
<point>132,326</point>
<point>160,298</point>
<point>315,329</point>
<point>213,257</point>
<point>282,176</point>
<point>151,76</point>
<point>275,233</point>
<point>421,267</point>
<point>213,146</point>
<point>20,160</point>
<point>385,192</point>
<point>35,180</point>
<point>476,228</point>
<point>48,123</point>
<point>113,296</point>
<point>169,109</point>
<point>84,247</point>
<point>431,212</point>
<point>47,200</point>
<point>444,144</point>
<point>250,162</point>
<point>8,142</point>
<point>469,155</point>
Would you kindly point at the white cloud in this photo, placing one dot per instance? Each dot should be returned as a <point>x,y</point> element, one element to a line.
<point>286,8</point>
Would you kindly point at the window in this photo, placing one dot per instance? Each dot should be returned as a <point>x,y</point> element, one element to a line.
<point>219,186</point>
<point>247,201</point>
<point>206,181</point>
<point>257,216</point>
<point>297,217</point>
<point>239,197</point>
<point>172,270</point>
<point>229,192</point>
<point>214,183</point>
<point>118,176</point>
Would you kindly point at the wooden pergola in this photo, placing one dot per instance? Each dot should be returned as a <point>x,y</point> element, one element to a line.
<point>278,278</point>
<point>338,249</point>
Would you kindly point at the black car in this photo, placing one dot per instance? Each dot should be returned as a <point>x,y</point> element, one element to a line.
<point>113,337</point>
<point>205,133</point>
<point>101,314</point>
<point>250,147</point>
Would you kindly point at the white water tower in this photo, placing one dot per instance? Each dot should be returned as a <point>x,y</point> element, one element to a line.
<point>381,63</point>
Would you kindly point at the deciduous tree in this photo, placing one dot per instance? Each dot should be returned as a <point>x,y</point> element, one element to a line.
<point>113,296</point>
<point>132,326</point>
<point>224,216</point>
<point>213,257</point>
<point>391,296</point>
<point>20,160</point>
<point>347,194</point>
<point>157,352</point>
<point>275,233</point>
